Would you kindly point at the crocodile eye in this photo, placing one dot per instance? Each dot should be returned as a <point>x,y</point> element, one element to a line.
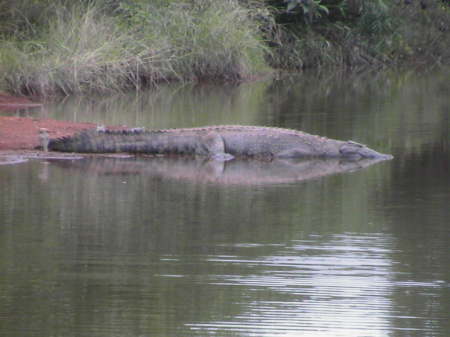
<point>351,142</point>
<point>350,149</point>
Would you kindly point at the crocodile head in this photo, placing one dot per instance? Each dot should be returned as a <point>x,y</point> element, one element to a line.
<point>355,151</point>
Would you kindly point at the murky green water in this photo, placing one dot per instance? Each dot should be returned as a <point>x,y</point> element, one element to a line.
<point>141,247</point>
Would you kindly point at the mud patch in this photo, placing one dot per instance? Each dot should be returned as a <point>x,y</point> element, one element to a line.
<point>19,133</point>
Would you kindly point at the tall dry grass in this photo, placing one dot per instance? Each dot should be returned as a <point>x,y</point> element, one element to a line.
<point>85,48</point>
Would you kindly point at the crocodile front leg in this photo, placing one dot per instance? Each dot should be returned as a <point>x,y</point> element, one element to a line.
<point>213,146</point>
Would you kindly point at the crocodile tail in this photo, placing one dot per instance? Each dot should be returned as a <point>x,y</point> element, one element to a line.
<point>92,141</point>
<point>81,142</point>
<point>63,144</point>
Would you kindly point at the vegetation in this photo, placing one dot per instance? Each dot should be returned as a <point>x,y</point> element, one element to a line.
<point>62,47</point>
<point>361,33</point>
<point>85,47</point>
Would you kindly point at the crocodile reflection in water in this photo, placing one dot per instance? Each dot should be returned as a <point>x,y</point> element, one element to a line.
<point>235,172</point>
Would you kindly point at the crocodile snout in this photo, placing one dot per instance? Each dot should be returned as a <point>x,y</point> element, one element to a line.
<point>355,150</point>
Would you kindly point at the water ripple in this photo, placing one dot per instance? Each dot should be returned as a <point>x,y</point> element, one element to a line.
<point>334,287</point>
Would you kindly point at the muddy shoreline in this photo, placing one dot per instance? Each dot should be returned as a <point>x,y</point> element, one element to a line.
<point>19,136</point>
<point>19,139</point>
<point>21,133</point>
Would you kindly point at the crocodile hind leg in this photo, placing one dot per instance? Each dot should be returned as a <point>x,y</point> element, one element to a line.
<point>44,139</point>
<point>213,146</point>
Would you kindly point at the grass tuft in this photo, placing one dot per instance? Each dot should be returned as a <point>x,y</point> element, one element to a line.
<point>84,48</point>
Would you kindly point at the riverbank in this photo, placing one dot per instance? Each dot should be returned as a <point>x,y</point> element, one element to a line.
<point>116,46</point>
<point>19,138</point>
<point>63,48</point>
<point>22,133</point>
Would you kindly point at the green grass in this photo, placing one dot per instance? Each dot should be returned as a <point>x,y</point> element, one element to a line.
<point>212,39</point>
<point>84,49</point>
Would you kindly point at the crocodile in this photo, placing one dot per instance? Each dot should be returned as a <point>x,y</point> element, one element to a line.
<point>223,142</point>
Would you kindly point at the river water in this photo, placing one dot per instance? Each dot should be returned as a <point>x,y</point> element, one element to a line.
<point>152,247</point>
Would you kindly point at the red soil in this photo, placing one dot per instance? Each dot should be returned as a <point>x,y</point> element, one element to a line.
<point>19,133</point>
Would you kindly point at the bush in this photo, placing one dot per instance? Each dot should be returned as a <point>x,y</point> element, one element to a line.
<point>359,33</point>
